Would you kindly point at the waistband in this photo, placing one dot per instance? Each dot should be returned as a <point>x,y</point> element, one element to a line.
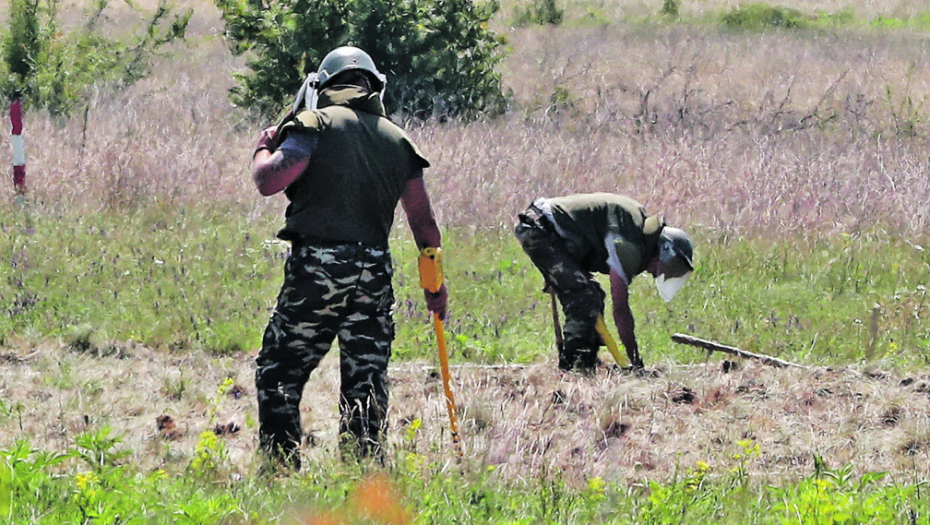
<point>297,240</point>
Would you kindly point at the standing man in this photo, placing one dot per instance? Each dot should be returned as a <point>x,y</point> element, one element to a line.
<point>569,238</point>
<point>343,165</point>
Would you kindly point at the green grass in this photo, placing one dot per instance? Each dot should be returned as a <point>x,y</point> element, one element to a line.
<point>205,279</point>
<point>168,278</point>
<point>751,16</point>
<point>759,16</point>
<point>87,484</point>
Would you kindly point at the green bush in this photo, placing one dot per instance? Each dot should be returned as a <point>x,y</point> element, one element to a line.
<point>758,16</point>
<point>540,12</point>
<point>670,8</point>
<point>439,55</point>
<point>22,44</point>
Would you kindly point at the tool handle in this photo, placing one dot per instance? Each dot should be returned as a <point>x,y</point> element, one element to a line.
<point>601,328</point>
<point>429,264</point>
<point>556,325</point>
<point>444,372</point>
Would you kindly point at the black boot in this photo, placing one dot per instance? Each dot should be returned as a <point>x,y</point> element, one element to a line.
<point>583,360</point>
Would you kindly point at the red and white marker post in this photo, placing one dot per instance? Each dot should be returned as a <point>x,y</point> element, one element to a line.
<point>19,152</point>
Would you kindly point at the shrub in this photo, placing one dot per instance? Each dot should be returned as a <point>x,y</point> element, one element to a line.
<point>22,44</point>
<point>670,8</point>
<point>439,55</point>
<point>758,16</point>
<point>540,12</point>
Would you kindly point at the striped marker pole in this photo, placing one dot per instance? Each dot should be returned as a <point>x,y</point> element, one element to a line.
<point>19,152</point>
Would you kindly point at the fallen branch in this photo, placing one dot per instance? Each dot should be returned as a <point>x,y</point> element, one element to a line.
<point>713,346</point>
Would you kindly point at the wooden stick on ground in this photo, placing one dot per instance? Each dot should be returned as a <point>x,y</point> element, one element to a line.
<point>713,346</point>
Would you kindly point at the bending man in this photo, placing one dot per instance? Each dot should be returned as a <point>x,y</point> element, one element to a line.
<point>569,238</point>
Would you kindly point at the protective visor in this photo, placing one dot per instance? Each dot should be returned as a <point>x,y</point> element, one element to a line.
<point>669,286</point>
<point>309,93</point>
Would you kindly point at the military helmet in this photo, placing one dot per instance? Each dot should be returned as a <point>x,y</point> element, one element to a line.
<point>347,58</point>
<point>675,251</point>
<point>675,258</point>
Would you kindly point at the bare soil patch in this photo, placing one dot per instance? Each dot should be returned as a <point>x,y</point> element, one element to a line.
<point>525,421</point>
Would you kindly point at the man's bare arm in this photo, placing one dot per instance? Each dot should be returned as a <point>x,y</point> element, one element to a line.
<point>272,172</point>
<point>623,317</point>
<point>274,169</point>
<point>415,201</point>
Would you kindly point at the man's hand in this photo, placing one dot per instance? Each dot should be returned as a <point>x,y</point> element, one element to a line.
<point>636,362</point>
<point>268,140</point>
<point>436,302</point>
<point>274,169</point>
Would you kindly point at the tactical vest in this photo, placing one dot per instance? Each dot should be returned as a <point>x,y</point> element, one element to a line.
<point>357,173</point>
<point>586,220</point>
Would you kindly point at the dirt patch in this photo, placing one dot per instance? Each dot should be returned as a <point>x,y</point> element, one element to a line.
<point>525,421</point>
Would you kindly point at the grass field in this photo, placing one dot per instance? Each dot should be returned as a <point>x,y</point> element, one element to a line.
<point>142,267</point>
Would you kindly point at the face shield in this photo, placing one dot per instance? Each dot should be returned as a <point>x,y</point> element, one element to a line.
<point>669,286</point>
<point>308,96</point>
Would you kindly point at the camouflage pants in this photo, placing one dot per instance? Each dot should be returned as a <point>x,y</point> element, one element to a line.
<point>329,291</point>
<point>581,296</point>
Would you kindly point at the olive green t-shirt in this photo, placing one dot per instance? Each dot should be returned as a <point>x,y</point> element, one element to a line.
<point>357,172</point>
<point>588,221</point>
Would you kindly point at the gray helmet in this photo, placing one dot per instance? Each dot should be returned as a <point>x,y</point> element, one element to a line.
<point>675,264</point>
<point>675,252</point>
<point>347,58</point>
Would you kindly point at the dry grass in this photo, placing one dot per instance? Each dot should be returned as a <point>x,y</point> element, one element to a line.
<point>525,421</point>
<point>173,137</point>
<point>773,133</point>
<point>769,133</point>
<point>585,11</point>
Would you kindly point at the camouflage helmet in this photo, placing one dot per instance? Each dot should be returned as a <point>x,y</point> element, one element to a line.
<point>347,58</point>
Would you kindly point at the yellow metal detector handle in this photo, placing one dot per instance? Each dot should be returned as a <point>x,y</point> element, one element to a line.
<point>429,264</point>
<point>601,327</point>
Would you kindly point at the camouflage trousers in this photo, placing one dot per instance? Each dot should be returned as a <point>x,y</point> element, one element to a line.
<point>330,291</point>
<point>581,296</point>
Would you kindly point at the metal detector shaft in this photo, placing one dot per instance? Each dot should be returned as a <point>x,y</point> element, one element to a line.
<point>556,325</point>
<point>601,327</point>
<point>444,371</point>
